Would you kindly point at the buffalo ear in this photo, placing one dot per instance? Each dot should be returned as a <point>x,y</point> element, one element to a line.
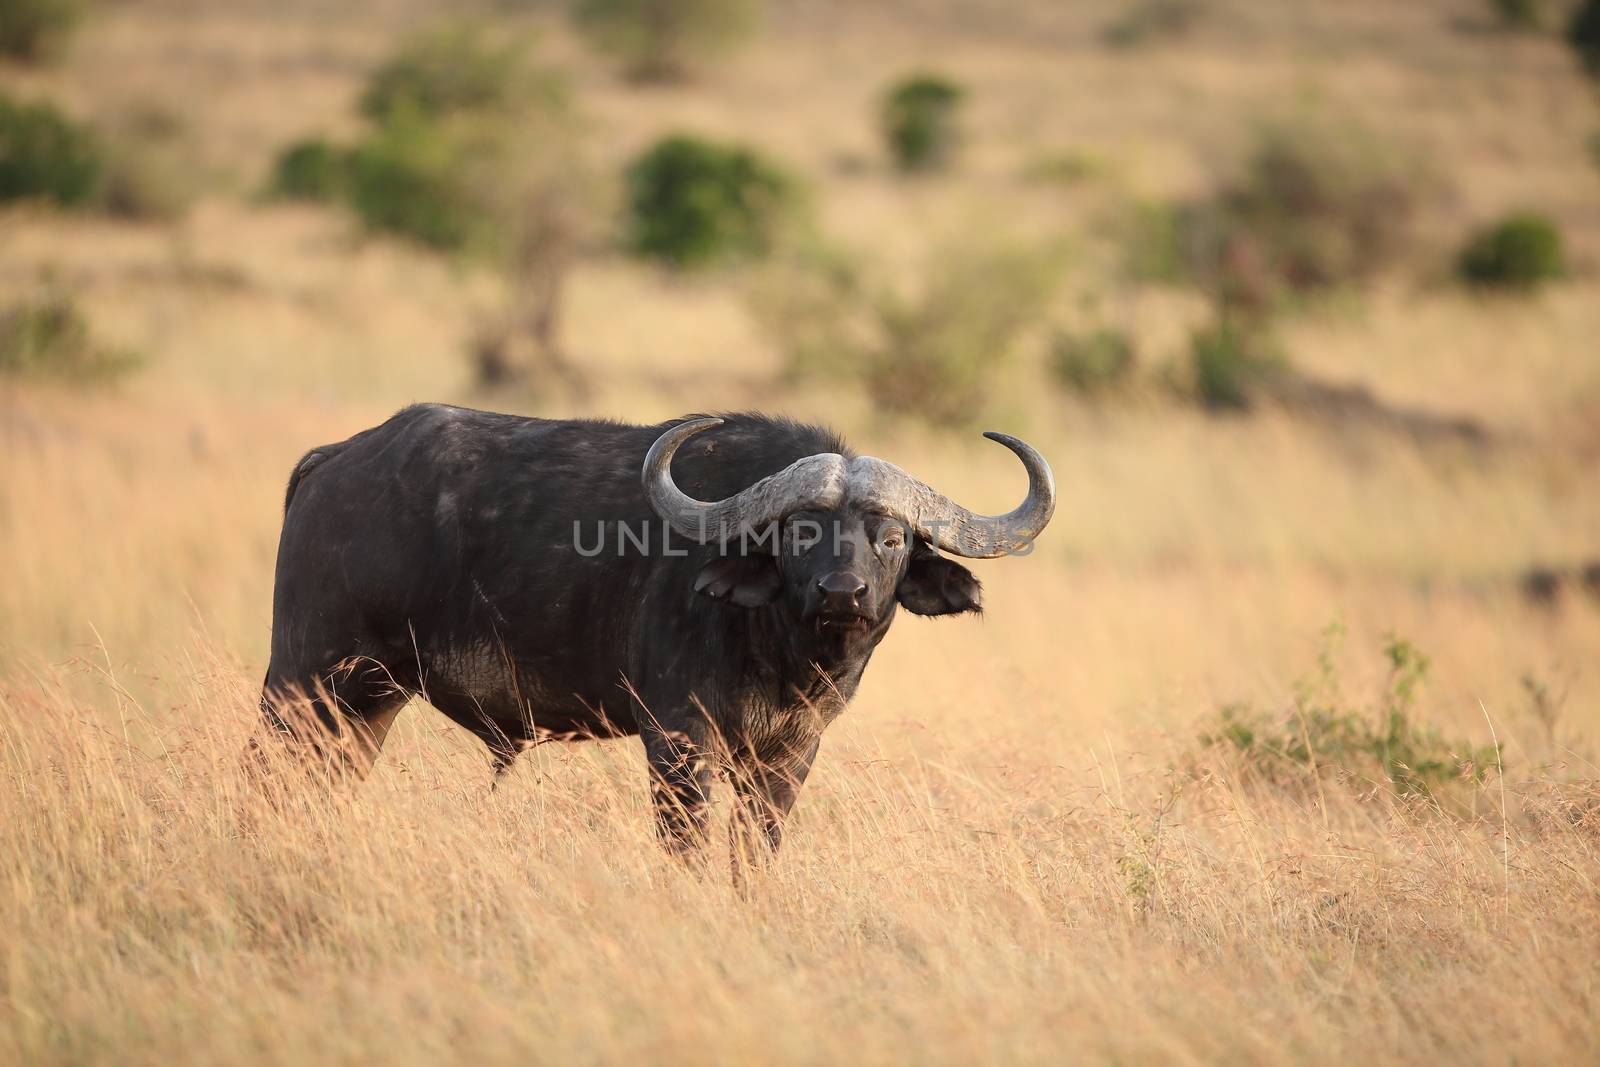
<point>934,585</point>
<point>749,581</point>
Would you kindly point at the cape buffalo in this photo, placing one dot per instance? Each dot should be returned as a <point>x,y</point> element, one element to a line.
<point>714,585</point>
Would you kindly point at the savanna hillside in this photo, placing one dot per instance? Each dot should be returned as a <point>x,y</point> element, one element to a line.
<point>1281,746</point>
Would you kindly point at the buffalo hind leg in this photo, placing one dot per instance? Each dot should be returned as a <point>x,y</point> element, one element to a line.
<point>338,727</point>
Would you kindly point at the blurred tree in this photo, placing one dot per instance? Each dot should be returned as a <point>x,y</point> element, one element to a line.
<point>476,152</point>
<point>665,40</point>
<point>1520,251</point>
<point>919,121</point>
<point>932,350</point>
<point>1583,33</point>
<point>34,30</point>
<point>1518,14</point>
<point>45,155</point>
<point>692,202</point>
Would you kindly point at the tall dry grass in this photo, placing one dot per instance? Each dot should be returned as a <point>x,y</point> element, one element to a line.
<point>1013,848</point>
<point>987,904</point>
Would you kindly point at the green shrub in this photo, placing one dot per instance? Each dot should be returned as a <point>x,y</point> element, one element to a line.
<point>49,337</point>
<point>1092,362</point>
<point>313,169</point>
<point>45,155</point>
<point>1518,14</point>
<point>1583,33</point>
<point>1520,251</point>
<point>408,178</point>
<point>1320,735</point>
<point>691,202</point>
<point>664,40</point>
<point>455,68</point>
<point>36,29</point>
<point>1231,357</point>
<point>919,121</point>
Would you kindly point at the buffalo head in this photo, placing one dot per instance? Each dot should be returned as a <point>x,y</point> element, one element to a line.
<point>845,540</point>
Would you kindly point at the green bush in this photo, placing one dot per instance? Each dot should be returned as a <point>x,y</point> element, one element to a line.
<point>1321,736</point>
<point>1231,356</point>
<point>31,30</point>
<point>313,169</point>
<point>919,121</point>
<point>1583,33</point>
<point>45,155</point>
<point>408,178</point>
<point>459,67</point>
<point>49,337</point>
<point>665,40</point>
<point>1520,251</point>
<point>1092,362</point>
<point>692,202</point>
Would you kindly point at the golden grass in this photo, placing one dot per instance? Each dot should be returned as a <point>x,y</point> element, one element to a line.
<point>989,863</point>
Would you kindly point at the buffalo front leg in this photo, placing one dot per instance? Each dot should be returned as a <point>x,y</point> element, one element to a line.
<point>764,791</point>
<point>681,764</point>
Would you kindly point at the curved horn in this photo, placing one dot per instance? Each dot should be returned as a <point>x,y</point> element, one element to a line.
<point>881,486</point>
<point>812,482</point>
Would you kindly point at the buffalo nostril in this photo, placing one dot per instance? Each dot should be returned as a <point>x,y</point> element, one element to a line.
<point>842,585</point>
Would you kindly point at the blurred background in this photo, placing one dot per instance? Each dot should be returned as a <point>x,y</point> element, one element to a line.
<point>1282,746</point>
<point>1299,299</point>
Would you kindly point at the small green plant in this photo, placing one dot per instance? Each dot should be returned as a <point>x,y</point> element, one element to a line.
<point>1583,34</point>
<point>455,68</point>
<point>1065,168</point>
<point>48,337</point>
<point>919,122</point>
<point>692,202</point>
<point>1094,362</point>
<point>1517,14</point>
<point>45,155</point>
<point>1520,251</point>
<point>312,169</point>
<point>665,40</point>
<point>1231,356</point>
<point>33,30</point>
<point>1320,734</point>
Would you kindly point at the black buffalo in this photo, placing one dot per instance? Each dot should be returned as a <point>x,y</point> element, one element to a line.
<point>539,579</point>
